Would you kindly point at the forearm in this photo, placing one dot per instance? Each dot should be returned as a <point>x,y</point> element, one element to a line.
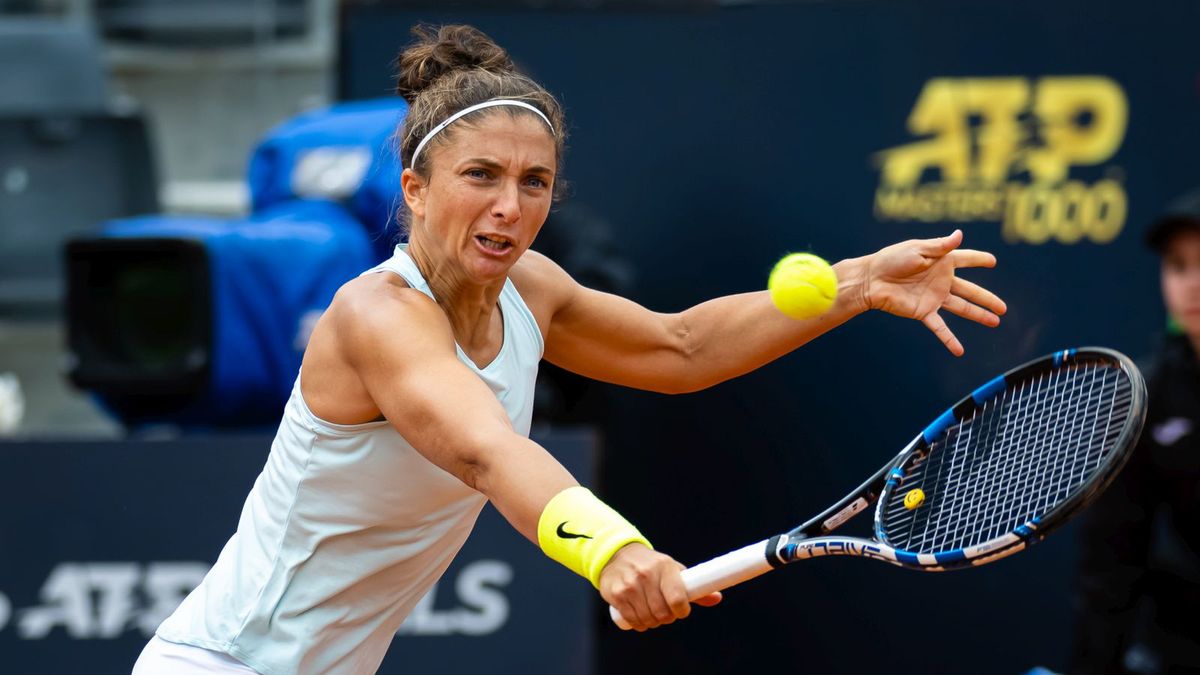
<point>519,477</point>
<point>540,499</point>
<point>732,335</point>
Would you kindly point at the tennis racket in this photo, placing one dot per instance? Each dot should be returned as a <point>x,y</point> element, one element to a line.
<point>993,474</point>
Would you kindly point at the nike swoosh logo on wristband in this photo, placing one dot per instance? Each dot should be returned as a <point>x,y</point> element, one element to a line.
<point>562,533</point>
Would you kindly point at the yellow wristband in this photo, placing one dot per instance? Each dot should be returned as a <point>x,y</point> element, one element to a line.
<point>582,532</point>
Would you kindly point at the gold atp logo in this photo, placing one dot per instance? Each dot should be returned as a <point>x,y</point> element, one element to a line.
<point>1003,148</point>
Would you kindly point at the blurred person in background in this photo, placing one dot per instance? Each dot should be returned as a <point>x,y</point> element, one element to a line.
<point>583,243</point>
<point>1139,570</point>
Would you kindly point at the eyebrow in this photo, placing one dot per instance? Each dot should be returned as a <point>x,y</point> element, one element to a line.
<point>493,164</point>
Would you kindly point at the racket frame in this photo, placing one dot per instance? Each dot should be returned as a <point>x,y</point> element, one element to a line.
<point>809,540</point>
<point>813,538</point>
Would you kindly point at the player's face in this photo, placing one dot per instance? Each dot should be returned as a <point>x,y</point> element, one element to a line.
<point>1181,280</point>
<point>489,191</point>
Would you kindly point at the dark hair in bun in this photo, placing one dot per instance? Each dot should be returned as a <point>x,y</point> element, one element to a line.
<point>443,50</point>
<point>449,68</point>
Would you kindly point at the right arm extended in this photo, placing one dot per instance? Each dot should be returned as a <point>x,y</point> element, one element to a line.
<point>403,352</point>
<point>399,344</point>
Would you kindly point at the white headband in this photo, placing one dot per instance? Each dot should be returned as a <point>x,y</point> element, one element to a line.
<point>470,109</point>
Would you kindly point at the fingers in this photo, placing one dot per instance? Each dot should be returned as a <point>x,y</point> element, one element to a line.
<point>936,248</point>
<point>641,617</point>
<point>967,257</point>
<point>646,588</point>
<point>935,323</point>
<point>641,600</point>
<point>660,607</point>
<point>978,295</point>
<point>966,310</point>
<point>636,614</point>
<point>675,594</point>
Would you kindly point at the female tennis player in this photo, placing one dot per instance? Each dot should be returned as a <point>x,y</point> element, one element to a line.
<point>413,404</point>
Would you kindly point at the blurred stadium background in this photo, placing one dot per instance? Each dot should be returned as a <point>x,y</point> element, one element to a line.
<point>183,184</point>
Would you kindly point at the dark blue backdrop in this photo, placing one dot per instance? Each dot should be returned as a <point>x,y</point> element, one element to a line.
<point>715,141</point>
<point>100,541</point>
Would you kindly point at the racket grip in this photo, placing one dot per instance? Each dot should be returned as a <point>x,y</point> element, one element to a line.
<point>716,575</point>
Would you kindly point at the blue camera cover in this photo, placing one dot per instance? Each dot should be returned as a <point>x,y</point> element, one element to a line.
<point>344,153</point>
<point>273,274</point>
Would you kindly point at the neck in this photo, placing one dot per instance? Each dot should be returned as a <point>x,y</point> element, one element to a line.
<point>1194,341</point>
<point>468,306</point>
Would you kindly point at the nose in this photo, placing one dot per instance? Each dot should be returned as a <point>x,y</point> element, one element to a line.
<point>507,206</point>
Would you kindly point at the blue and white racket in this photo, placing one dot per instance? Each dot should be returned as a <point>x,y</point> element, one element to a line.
<point>993,474</point>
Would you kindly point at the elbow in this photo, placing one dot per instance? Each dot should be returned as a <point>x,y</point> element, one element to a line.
<point>684,383</point>
<point>687,372</point>
<point>687,376</point>
<point>473,473</point>
<point>472,463</point>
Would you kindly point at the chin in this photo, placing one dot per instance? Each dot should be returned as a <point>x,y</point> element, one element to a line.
<point>1190,323</point>
<point>485,270</point>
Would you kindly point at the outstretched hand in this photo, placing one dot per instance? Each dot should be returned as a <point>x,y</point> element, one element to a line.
<point>915,279</point>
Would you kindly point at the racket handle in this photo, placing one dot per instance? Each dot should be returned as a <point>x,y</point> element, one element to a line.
<point>717,574</point>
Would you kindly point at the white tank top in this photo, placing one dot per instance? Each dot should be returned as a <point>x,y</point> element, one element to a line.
<point>346,528</point>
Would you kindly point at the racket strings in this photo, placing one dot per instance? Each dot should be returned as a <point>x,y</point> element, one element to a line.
<point>1055,475</point>
<point>1016,458</point>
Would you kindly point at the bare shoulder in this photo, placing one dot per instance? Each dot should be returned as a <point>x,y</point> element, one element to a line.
<point>371,310</point>
<point>376,327</point>
<point>534,267</point>
<point>543,285</point>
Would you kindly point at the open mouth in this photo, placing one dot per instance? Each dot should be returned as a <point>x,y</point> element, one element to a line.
<point>494,243</point>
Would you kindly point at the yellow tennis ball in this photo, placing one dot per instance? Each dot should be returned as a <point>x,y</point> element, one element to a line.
<point>802,285</point>
<point>914,498</point>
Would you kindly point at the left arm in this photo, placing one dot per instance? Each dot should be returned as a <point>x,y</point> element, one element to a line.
<point>612,339</point>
